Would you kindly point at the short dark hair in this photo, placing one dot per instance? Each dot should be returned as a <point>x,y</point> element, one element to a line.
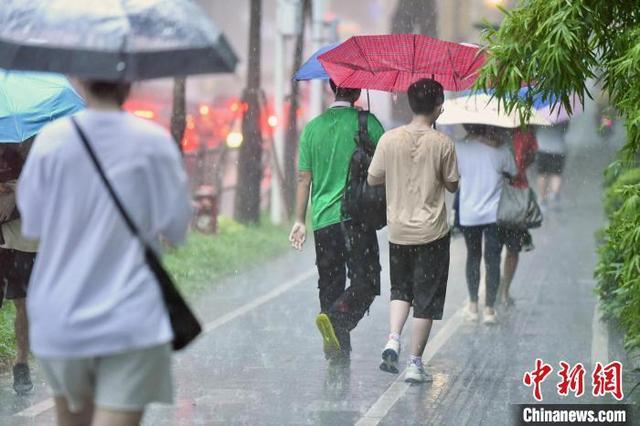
<point>344,92</point>
<point>425,95</point>
<point>117,91</point>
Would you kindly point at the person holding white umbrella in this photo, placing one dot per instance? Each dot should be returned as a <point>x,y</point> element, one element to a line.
<point>483,162</point>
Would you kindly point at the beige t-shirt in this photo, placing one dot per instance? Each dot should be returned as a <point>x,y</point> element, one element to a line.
<point>415,163</point>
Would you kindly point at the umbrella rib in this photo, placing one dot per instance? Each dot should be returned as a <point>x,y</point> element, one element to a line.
<point>475,59</point>
<point>454,72</point>
<point>355,40</point>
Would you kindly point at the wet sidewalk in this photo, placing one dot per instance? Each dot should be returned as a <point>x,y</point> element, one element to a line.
<point>261,363</point>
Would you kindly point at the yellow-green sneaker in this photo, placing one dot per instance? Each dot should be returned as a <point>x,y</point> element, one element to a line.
<point>330,342</point>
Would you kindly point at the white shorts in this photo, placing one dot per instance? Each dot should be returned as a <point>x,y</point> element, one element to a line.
<point>122,382</point>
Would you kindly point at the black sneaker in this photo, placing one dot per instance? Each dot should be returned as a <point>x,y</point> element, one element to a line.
<point>22,379</point>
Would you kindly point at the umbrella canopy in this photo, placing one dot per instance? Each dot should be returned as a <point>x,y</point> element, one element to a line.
<point>112,39</point>
<point>312,69</point>
<point>482,109</point>
<point>28,101</point>
<point>558,114</point>
<point>393,62</point>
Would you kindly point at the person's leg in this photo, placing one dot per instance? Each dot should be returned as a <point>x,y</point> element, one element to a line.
<point>420,330</point>
<point>398,314</point>
<point>330,261</point>
<point>18,279</point>
<point>542,187</point>
<point>473,241</point>
<point>431,273</point>
<point>363,263</point>
<point>509,271</point>
<point>555,182</point>
<point>21,326</point>
<point>107,417</point>
<point>400,261</point>
<point>66,418</point>
<point>492,254</point>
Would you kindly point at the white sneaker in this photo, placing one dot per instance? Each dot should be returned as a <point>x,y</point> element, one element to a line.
<point>390,355</point>
<point>416,374</point>
<point>470,316</point>
<point>490,318</point>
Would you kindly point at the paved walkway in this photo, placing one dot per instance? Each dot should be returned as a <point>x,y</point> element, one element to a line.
<point>261,360</point>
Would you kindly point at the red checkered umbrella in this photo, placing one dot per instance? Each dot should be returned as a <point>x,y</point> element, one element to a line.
<point>393,62</point>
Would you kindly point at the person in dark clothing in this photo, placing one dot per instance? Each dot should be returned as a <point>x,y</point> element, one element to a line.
<point>344,248</point>
<point>17,257</point>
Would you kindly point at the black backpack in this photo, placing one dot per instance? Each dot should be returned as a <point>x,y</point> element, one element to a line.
<point>361,202</point>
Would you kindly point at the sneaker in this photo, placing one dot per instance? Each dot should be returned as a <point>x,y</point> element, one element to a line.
<point>490,318</point>
<point>390,355</point>
<point>22,379</point>
<point>416,374</point>
<point>471,316</point>
<point>331,346</point>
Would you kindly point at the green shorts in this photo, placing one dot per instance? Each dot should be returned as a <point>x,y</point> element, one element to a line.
<point>122,382</point>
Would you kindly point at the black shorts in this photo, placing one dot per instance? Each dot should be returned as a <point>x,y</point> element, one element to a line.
<point>550,164</point>
<point>419,276</point>
<point>514,239</point>
<point>15,272</point>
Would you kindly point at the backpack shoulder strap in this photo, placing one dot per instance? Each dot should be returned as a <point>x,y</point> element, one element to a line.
<point>363,126</point>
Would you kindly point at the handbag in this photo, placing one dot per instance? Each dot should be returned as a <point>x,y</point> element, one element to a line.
<point>518,208</point>
<point>361,202</point>
<point>184,323</point>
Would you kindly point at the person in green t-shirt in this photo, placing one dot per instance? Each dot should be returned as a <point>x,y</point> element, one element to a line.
<point>326,146</point>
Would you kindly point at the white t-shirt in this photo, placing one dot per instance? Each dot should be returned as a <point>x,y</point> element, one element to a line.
<point>551,139</point>
<point>91,293</point>
<point>481,167</point>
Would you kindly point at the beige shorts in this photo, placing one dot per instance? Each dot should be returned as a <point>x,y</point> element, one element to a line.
<point>122,382</point>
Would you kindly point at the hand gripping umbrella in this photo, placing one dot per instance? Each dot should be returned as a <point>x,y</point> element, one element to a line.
<point>29,100</point>
<point>393,62</point>
<point>112,39</point>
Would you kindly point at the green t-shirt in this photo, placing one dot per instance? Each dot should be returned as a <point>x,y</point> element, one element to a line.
<point>326,146</point>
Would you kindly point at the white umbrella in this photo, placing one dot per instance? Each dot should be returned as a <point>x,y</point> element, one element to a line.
<point>483,109</point>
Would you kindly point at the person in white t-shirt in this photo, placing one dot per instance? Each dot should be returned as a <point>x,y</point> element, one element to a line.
<point>98,324</point>
<point>483,163</point>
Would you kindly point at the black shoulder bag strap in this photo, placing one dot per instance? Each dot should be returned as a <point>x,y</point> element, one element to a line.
<point>185,325</point>
<point>363,132</point>
<point>132,227</point>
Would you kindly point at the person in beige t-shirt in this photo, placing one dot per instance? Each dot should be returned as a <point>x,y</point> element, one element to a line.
<point>417,163</point>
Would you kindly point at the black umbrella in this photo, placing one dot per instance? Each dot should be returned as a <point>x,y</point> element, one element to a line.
<point>112,39</point>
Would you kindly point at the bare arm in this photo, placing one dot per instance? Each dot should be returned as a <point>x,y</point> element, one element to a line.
<point>451,186</point>
<point>302,198</point>
<point>298,233</point>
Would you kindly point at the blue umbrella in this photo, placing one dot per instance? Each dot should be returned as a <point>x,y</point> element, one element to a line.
<point>554,114</point>
<point>313,69</point>
<point>30,100</point>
